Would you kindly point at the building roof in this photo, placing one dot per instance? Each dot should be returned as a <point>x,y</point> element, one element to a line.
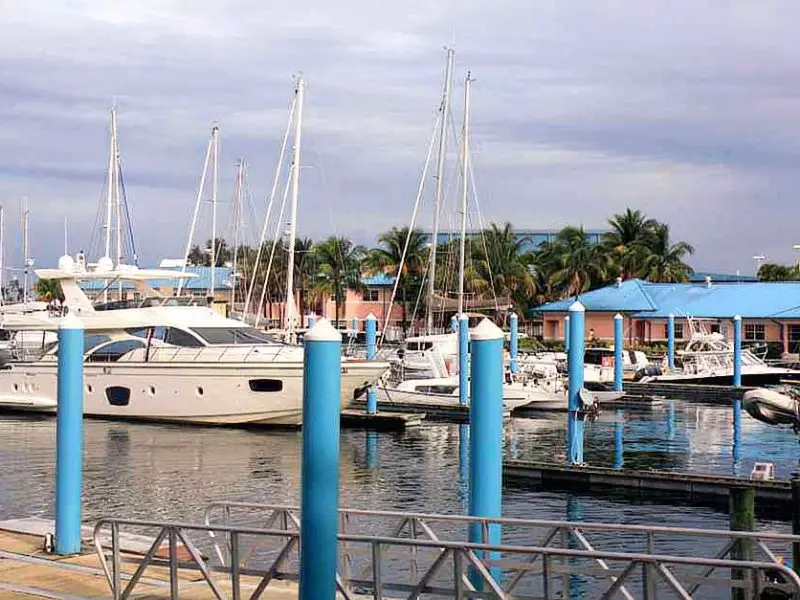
<point>657,300</point>
<point>378,279</point>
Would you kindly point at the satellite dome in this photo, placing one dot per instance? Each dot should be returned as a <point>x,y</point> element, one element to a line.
<point>66,263</point>
<point>105,264</point>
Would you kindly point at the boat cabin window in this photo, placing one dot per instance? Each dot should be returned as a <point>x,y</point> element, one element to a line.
<point>435,389</point>
<point>92,340</point>
<point>114,351</point>
<point>419,346</point>
<point>218,336</point>
<point>595,356</point>
<point>168,335</point>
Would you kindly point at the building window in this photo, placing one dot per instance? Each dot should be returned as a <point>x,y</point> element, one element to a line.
<point>754,331</point>
<point>371,295</point>
<point>678,331</point>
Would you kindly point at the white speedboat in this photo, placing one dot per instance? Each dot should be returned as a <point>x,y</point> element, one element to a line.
<point>158,362</point>
<point>774,406</point>
<point>708,359</point>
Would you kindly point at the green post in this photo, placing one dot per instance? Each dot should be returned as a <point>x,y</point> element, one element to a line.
<point>742,505</point>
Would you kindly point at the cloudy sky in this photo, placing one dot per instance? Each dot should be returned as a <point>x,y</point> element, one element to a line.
<point>687,110</point>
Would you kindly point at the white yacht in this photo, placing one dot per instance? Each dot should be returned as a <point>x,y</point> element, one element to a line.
<point>165,362</point>
<point>708,359</point>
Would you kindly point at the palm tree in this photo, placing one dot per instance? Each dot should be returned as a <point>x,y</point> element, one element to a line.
<point>572,263</point>
<point>663,260</point>
<point>774,272</point>
<point>500,265</point>
<point>47,289</point>
<point>338,269</point>
<point>624,241</point>
<point>304,270</point>
<point>387,257</point>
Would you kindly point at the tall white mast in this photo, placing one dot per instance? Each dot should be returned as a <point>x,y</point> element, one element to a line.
<point>2,252</point>
<point>25,250</point>
<point>443,112</point>
<point>198,202</point>
<point>237,217</point>
<point>291,311</point>
<point>115,186</point>
<point>464,187</point>
<point>215,169</point>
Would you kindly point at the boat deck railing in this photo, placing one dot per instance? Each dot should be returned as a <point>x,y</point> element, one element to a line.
<point>416,556</point>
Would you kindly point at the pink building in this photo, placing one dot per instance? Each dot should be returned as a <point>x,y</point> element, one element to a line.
<point>770,311</point>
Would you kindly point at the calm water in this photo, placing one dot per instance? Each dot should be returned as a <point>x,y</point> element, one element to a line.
<point>159,471</point>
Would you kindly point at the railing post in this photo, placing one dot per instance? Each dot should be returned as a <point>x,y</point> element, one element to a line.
<point>486,434</point>
<point>618,362</point>
<point>463,359</point>
<point>513,344</point>
<point>371,327</point>
<point>575,372</point>
<point>322,387</point>
<point>742,508</point>
<point>566,334</point>
<point>737,351</point>
<point>69,436</point>
<point>671,341</point>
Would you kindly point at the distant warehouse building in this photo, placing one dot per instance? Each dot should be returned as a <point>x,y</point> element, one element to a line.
<point>770,311</point>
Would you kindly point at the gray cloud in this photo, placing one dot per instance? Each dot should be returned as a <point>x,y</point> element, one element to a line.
<point>686,110</point>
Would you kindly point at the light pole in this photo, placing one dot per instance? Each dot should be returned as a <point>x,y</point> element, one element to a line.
<point>759,258</point>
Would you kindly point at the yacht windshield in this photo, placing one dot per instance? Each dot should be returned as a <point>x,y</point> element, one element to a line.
<point>220,336</point>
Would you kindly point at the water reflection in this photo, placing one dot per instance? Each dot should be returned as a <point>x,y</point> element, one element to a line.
<point>619,452</point>
<point>737,435</point>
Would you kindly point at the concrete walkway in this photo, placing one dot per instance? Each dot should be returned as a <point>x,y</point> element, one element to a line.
<point>26,572</point>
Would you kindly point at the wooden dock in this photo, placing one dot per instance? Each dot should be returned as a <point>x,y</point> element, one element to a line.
<point>711,394</point>
<point>688,485</point>
<point>27,572</point>
<point>437,410</point>
<point>381,421</point>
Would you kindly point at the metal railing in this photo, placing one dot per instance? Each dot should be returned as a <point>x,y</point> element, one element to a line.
<point>450,568</point>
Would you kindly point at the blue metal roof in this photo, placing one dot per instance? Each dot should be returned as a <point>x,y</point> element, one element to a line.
<point>378,279</point>
<point>657,300</point>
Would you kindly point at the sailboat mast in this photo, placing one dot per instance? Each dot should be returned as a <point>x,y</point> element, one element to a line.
<point>464,187</point>
<point>116,196</point>
<point>25,250</point>
<point>215,169</point>
<point>290,303</point>
<point>443,112</point>
<point>237,208</point>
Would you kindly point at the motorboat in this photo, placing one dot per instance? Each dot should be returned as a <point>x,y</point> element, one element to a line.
<point>164,361</point>
<point>774,406</point>
<point>708,359</point>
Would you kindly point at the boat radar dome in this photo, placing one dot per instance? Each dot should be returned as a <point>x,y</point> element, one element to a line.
<point>66,263</point>
<point>105,264</point>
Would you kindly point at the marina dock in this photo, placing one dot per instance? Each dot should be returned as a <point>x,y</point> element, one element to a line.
<point>688,485</point>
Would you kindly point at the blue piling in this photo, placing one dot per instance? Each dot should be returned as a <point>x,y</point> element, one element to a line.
<point>454,324</point>
<point>618,342</point>
<point>737,351</point>
<point>513,322</point>
<point>371,326</point>
<point>486,433</point>
<point>312,319</point>
<point>372,449</point>
<point>619,451</point>
<point>566,334</point>
<point>322,385</point>
<point>671,341</point>
<point>69,436</point>
<point>575,372</point>
<point>463,359</point>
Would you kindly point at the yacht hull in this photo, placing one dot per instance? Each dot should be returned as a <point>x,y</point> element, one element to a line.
<point>192,393</point>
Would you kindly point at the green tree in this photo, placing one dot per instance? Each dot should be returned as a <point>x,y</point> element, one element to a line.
<point>573,265</point>
<point>664,261</point>
<point>338,268</point>
<point>775,272</point>
<point>47,289</point>
<point>387,257</point>
<point>626,241</point>
<point>500,265</point>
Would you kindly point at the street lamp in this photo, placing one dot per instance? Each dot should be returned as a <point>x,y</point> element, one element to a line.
<point>759,258</point>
